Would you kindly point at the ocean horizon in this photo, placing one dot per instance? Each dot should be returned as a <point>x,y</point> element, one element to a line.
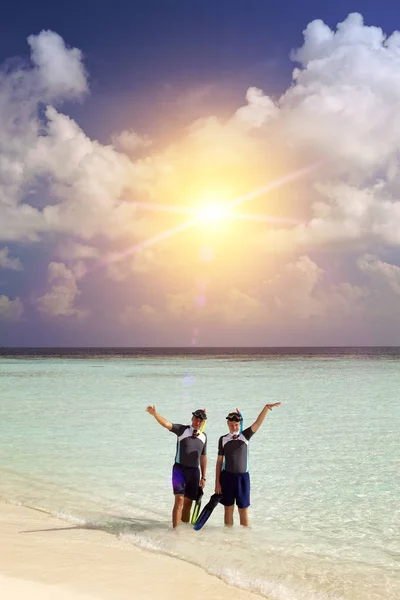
<point>198,349</point>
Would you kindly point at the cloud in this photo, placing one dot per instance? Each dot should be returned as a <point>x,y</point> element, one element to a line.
<point>6,262</point>
<point>300,297</point>
<point>57,75</point>
<point>237,308</point>
<point>70,250</point>
<point>339,111</point>
<point>86,182</point>
<point>382,288</point>
<point>292,290</point>
<point>345,92</point>
<point>259,110</point>
<point>59,301</point>
<point>10,310</point>
<point>60,71</point>
<point>130,142</point>
<point>87,178</point>
<point>145,314</point>
<point>381,272</point>
<point>138,263</point>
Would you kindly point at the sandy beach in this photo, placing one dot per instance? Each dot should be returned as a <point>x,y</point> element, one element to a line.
<point>43,558</point>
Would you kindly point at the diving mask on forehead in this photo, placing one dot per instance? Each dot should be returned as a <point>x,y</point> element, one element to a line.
<point>234,416</point>
<point>200,414</point>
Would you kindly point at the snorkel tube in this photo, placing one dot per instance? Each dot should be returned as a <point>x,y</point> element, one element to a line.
<point>200,414</point>
<point>204,423</point>
<point>241,420</point>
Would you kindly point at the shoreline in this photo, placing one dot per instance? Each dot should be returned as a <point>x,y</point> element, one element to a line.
<point>45,558</point>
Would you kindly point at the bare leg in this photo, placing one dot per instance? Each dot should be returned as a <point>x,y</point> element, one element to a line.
<point>244,516</point>
<point>229,515</point>
<point>187,506</point>
<point>177,510</point>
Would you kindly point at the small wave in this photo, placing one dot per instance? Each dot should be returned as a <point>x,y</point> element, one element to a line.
<point>270,589</point>
<point>155,535</point>
<point>274,590</point>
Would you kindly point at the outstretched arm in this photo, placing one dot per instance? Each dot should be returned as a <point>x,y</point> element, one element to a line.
<point>152,411</point>
<point>260,419</point>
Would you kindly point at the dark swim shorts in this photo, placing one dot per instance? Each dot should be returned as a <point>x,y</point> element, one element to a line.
<point>185,480</point>
<point>235,486</point>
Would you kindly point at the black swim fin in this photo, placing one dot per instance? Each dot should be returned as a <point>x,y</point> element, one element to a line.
<point>197,505</point>
<point>207,510</point>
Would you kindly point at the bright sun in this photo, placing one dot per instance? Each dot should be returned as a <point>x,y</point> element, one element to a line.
<point>213,212</point>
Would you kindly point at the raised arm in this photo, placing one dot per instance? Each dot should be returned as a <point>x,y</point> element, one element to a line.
<point>260,419</point>
<point>163,422</point>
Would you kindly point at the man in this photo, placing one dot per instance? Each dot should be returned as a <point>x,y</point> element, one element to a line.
<point>191,452</point>
<point>232,478</point>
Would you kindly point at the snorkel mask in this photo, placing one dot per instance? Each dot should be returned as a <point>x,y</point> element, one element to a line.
<point>237,418</point>
<point>200,414</point>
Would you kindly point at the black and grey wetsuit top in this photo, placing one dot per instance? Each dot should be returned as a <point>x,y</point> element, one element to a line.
<point>235,450</point>
<point>189,448</point>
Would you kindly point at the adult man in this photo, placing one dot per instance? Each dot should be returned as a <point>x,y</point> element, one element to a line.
<point>191,452</point>
<point>232,478</point>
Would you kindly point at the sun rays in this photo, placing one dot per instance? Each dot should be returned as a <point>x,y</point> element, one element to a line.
<point>212,213</point>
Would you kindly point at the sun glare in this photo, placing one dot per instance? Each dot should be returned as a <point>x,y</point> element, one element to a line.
<point>213,212</point>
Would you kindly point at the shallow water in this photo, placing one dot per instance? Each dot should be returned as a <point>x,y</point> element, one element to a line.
<point>75,440</point>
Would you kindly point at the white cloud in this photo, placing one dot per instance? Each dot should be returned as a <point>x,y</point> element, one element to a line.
<point>130,142</point>
<point>86,182</point>
<point>89,180</point>
<point>344,95</point>
<point>342,106</point>
<point>60,70</point>
<point>10,310</point>
<point>6,262</point>
<point>58,75</point>
<point>341,109</point>
<point>60,300</point>
<point>259,110</point>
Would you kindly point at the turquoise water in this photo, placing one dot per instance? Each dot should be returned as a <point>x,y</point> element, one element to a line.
<point>75,440</point>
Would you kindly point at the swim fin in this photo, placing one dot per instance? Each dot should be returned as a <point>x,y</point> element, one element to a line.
<point>197,505</point>
<point>207,510</point>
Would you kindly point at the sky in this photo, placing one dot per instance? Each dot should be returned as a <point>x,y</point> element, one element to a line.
<point>200,173</point>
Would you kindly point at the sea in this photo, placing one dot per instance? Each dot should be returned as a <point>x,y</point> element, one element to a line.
<point>77,442</point>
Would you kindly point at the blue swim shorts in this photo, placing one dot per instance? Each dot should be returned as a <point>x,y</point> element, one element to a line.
<point>185,480</point>
<point>235,487</point>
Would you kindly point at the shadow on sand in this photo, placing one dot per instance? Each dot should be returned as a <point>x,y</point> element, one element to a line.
<point>114,524</point>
